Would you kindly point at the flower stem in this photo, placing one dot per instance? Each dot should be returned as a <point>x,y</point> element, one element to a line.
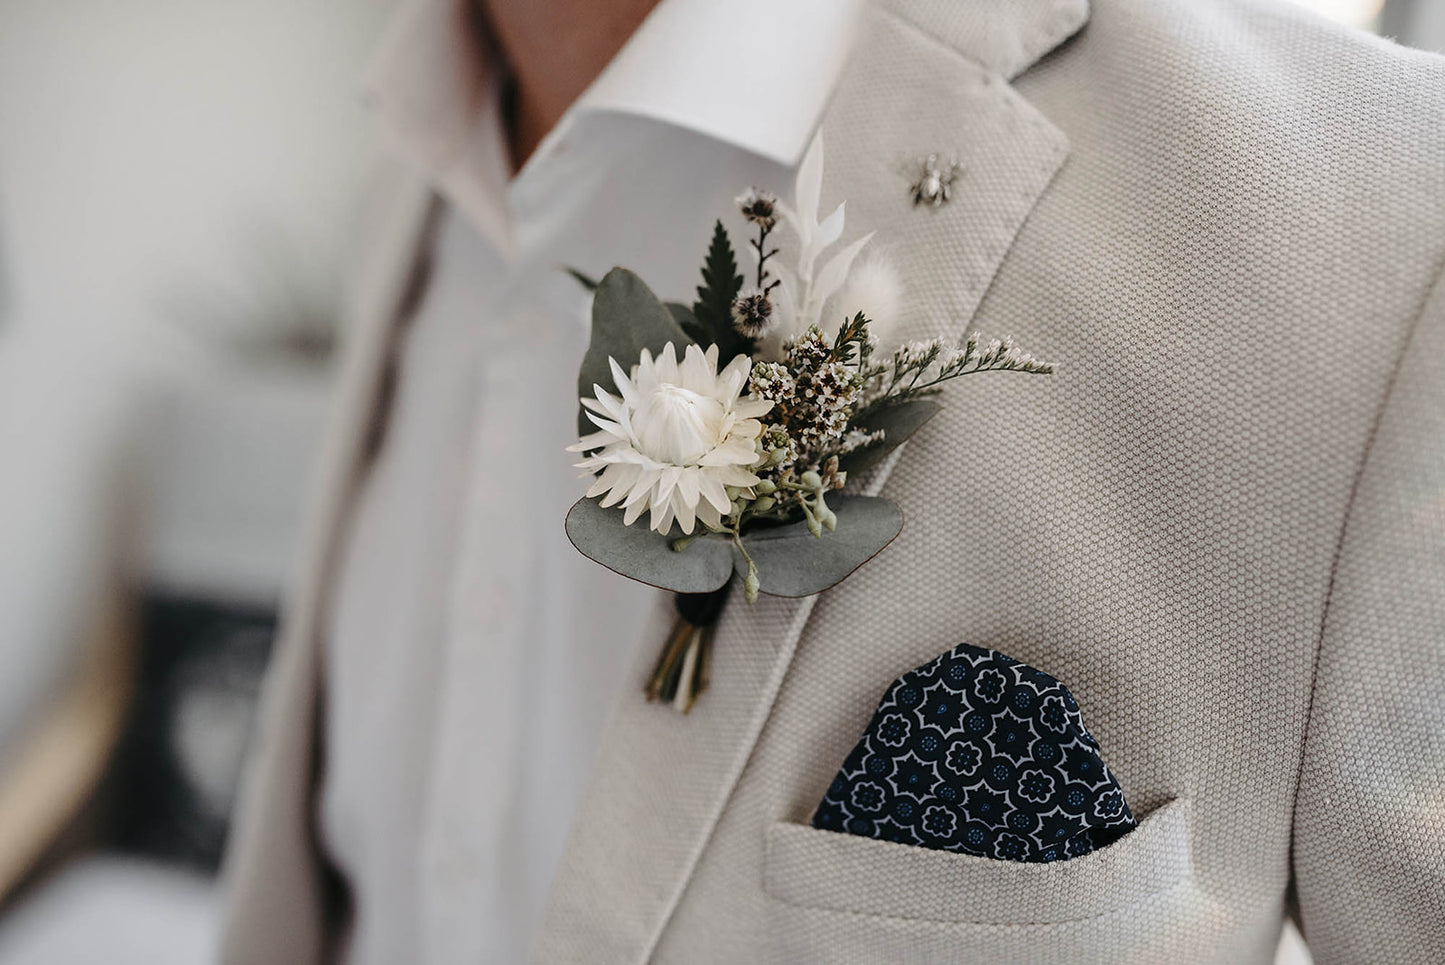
<point>666,674</point>
<point>750,582</point>
<point>683,667</point>
<point>764,254</point>
<point>694,678</point>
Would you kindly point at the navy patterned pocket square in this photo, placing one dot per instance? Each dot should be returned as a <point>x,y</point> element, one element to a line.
<point>977,753</point>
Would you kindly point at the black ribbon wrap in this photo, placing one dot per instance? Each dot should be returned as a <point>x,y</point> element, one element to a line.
<point>681,672</point>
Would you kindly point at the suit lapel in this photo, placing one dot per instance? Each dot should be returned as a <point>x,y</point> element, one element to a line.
<point>276,908</point>
<point>930,78</point>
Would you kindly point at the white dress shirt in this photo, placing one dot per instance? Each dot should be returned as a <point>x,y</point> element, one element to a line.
<point>454,762</point>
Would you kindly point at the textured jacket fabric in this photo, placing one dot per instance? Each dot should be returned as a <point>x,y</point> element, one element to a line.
<point>1221,523</point>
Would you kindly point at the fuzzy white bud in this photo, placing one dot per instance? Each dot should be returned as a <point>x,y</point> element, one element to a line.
<point>875,288</point>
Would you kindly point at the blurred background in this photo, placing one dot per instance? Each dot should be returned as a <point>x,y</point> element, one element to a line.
<point>178,187</point>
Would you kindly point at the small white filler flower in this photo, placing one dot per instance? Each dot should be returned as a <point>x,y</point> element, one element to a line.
<point>676,438</point>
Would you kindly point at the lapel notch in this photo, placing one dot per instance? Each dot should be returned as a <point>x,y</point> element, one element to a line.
<point>1004,36</point>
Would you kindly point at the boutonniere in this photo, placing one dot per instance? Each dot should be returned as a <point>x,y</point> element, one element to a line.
<point>721,435</point>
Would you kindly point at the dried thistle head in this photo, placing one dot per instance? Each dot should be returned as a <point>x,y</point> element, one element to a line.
<point>759,207</point>
<point>753,313</point>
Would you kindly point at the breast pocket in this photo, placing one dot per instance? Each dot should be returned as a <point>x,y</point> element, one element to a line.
<point>843,898</point>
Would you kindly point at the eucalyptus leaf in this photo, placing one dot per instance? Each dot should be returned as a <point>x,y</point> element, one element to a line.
<point>638,553</point>
<point>626,318</point>
<point>793,562</point>
<point>898,422</point>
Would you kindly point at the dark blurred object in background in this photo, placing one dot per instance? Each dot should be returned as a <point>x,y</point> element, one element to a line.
<point>176,770</point>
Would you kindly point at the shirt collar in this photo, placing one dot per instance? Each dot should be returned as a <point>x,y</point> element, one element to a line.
<point>752,73</point>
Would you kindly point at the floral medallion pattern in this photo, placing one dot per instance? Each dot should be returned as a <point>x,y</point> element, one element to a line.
<point>977,753</point>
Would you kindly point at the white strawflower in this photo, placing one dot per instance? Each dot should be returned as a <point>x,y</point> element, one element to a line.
<point>675,439</point>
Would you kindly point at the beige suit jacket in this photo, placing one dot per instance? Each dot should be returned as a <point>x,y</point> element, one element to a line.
<point>1222,523</point>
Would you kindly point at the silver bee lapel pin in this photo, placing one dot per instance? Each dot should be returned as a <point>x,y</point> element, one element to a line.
<point>934,184</point>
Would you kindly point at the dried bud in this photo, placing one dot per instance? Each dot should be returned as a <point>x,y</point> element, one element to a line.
<point>753,313</point>
<point>751,584</point>
<point>759,206</point>
<point>826,516</point>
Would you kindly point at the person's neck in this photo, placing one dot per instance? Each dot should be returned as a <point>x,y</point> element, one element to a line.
<point>555,49</point>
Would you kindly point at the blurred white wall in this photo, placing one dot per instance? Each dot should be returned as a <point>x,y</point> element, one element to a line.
<point>144,145</point>
<point>1356,13</point>
<point>171,173</point>
<point>178,179</point>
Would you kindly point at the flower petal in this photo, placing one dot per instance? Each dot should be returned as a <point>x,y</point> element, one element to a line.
<point>615,484</point>
<point>641,492</point>
<point>629,516</point>
<point>732,379</point>
<point>666,482</point>
<point>687,487</point>
<point>666,366</point>
<point>713,492</point>
<point>709,516</point>
<point>623,383</point>
<point>684,513</point>
<point>736,451</point>
<point>611,429</point>
<point>661,519</point>
<point>593,440</point>
<point>736,476</point>
<point>750,408</point>
<point>696,374</point>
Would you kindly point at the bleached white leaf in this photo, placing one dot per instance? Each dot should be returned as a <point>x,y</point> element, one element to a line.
<point>835,271</point>
<point>809,189</point>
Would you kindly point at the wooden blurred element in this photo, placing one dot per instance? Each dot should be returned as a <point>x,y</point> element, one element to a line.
<point>47,777</point>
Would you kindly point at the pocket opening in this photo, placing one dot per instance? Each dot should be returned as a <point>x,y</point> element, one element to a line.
<point>811,868</point>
